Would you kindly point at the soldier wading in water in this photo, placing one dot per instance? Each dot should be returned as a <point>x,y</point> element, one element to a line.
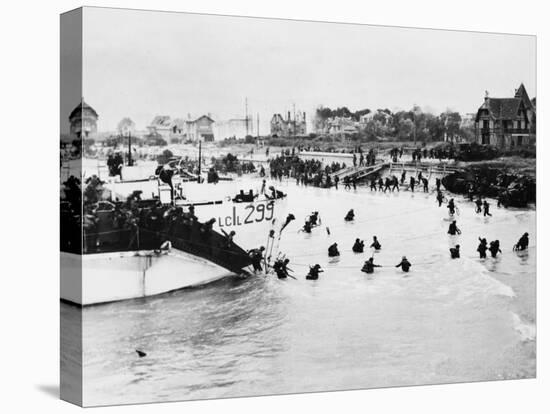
<point>405,265</point>
<point>369,266</point>
<point>522,243</point>
<point>358,246</point>
<point>333,250</point>
<point>314,272</point>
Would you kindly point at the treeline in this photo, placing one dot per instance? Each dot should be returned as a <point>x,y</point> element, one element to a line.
<point>325,113</point>
<point>414,124</point>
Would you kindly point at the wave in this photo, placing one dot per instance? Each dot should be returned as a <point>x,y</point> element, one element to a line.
<point>471,278</point>
<point>527,331</point>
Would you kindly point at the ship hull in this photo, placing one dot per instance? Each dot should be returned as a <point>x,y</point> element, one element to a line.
<point>92,279</point>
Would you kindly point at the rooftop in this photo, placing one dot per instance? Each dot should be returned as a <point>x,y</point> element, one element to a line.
<point>81,107</point>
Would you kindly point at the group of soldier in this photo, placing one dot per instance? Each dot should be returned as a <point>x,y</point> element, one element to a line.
<point>306,172</point>
<point>364,160</point>
<point>393,183</point>
<point>313,220</point>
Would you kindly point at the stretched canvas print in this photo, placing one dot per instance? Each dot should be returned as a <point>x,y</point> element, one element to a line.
<point>257,206</point>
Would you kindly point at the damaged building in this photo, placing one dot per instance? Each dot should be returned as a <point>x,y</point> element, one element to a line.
<point>281,127</point>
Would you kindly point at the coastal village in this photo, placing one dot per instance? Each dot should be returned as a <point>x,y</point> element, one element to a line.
<point>507,122</point>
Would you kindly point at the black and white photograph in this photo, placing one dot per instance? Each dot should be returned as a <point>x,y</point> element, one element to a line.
<point>257,206</point>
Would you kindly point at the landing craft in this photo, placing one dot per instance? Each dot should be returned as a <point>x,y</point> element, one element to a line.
<point>107,270</point>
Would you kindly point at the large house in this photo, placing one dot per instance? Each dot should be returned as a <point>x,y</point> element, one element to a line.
<point>342,125</point>
<point>200,129</point>
<point>288,127</point>
<point>175,130</point>
<point>161,125</point>
<point>83,121</point>
<point>507,122</point>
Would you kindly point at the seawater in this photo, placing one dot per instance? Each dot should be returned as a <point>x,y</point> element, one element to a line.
<point>446,321</point>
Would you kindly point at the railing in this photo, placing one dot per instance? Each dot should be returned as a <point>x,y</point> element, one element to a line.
<point>436,168</point>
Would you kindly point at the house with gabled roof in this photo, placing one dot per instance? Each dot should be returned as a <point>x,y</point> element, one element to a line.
<point>178,129</point>
<point>200,129</point>
<point>506,122</point>
<point>531,106</point>
<point>161,125</point>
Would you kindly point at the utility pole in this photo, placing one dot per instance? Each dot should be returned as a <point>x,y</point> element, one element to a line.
<point>246,114</point>
<point>130,161</point>
<point>200,160</point>
<point>294,121</point>
<point>414,125</point>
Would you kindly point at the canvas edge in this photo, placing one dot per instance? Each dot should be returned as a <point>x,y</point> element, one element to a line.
<point>71,384</point>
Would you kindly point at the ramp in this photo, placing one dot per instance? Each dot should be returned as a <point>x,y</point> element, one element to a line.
<point>359,173</point>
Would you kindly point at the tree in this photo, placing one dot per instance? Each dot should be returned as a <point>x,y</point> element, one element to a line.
<point>451,121</point>
<point>126,126</point>
<point>467,133</point>
<point>382,116</point>
<point>405,129</point>
<point>358,114</point>
<point>418,120</point>
<point>436,128</point>
<point>372,130</point>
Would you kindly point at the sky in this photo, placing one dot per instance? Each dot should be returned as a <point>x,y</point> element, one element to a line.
<point>139,64</point>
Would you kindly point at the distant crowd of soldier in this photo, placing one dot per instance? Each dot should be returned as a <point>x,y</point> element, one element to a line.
<point>305,172</point>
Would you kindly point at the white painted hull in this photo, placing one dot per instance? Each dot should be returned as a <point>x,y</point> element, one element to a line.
<point>107,277</point>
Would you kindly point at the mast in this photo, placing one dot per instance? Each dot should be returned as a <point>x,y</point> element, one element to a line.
<point>258,125</point>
